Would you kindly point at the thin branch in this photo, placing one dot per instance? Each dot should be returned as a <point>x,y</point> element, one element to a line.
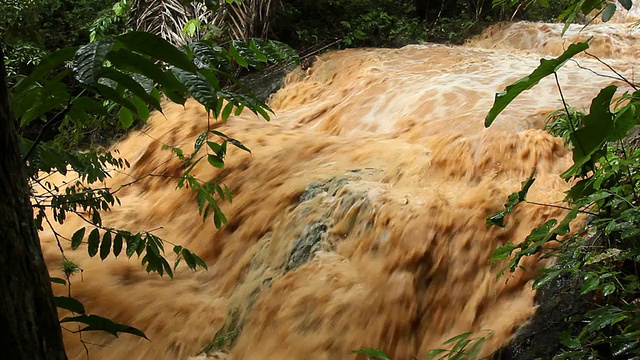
<point>614,71</point>
<point>593,71</point>
<point>559,207</point>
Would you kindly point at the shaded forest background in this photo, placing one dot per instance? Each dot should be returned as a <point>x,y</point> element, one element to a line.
<point>303,24</point>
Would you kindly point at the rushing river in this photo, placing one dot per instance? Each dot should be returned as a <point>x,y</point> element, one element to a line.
<point>376,163</point>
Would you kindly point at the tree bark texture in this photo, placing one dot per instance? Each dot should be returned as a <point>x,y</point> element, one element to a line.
<point>28,316</point>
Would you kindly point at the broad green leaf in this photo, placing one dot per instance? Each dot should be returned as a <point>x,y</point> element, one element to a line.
<point>567,340</point>
<point>132,85</point>
<point>93,242</point>
<point>89,60</point>
<point>502,253</point>
<point>69,303</point>
<point>210,56</point>
<point>218,217</point>
<point>215,161</point>
<point>189,259</point>
<point>126,117</point>
<point>57,280</point>
<point>113,95</point>
<point>200,262</point>
<point>548,276</point>
<point>608,12</point>
<point>132,62</point>
<point>546,68</point>
<point>77,237</point>
<point>191,27</point>
<point>198,87</point>
<point>608,289</point>
<point>626,4</point>
<point>259,54</point>
<point>105,245</point>
<point>590,283</point>
<point>597,130</point>
<point>141,108</point>
<point>242,54</point>
<point>602,317</point>
<point>284,51</point>
<point>166,267</point>
<point>117,244</point>
<point>157,48</point>
<point>99,323</point>
<point>267,49</point>
<point>226,112</point>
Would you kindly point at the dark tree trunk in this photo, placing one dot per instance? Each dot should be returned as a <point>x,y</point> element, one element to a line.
<point>28,317</point>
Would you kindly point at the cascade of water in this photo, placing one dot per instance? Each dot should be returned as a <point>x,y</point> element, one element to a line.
<point>359,218</point>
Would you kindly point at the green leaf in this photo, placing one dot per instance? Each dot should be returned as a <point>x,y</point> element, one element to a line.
<point>239,50</point>
<point>215,161</point>
<point>198,87</point>
<point>76,239</point>
<point>189,259</point>
<point>474,352</point>
<point>132,85</point>
<point>284,51</point>
<point>458,338</point>
<point>141,108</point>
<point>626,4</point>
<point>208,56</point>
<point>191,27</point>
<point>57,280</point>
<point>546,68</point>
<point>117,245</point>
<point>113,95</point>
<point>608,12</point>
<point>69,303</point>
<point>372,353</point>
<point>548,276</point>
<point>89,61</point>
<point>567,340</point>
<point>602,317</point>
<point>126,118</point>
<point>99,323</point>
<point>608,289</point>
<point>590,283</point>
<point>157,48</point>
<point>502,253</point>
<point>132,62</point>
<point>597,130</point>
<point>93,242</point>
<point>105,245</point>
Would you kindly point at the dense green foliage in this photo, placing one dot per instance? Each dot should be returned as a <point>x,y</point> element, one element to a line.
<point>606,182</point>
<point>32,28</point>
<point>124,77</point>
<point>308,24</point>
